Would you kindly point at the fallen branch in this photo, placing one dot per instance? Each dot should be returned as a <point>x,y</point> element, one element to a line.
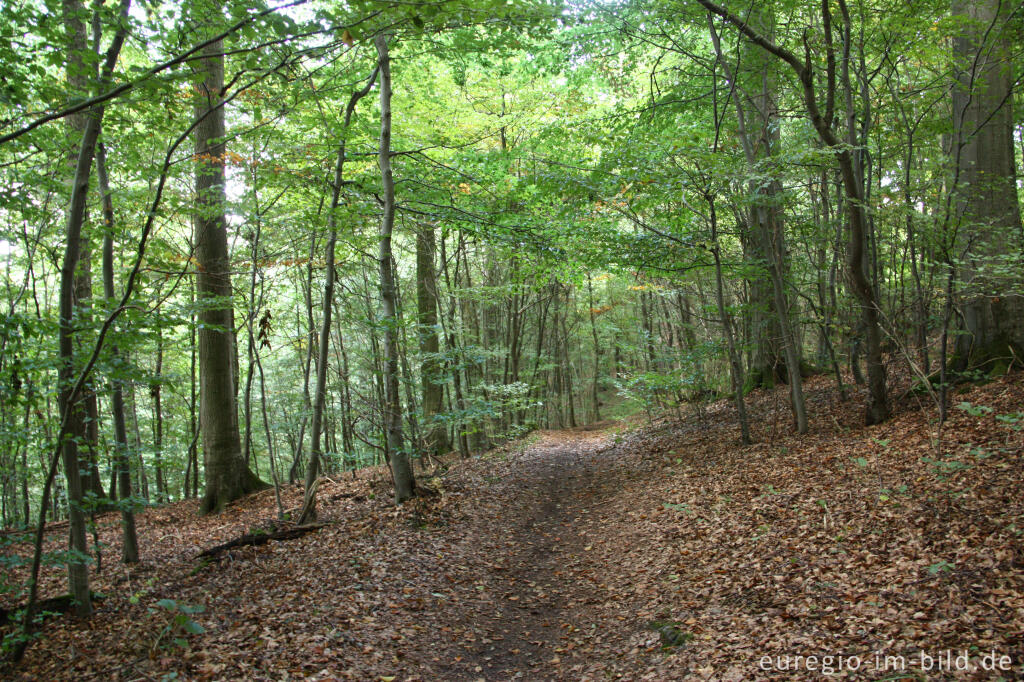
<point>253,539</point>
<point>358,497</point>
<point>61,604</point>
<point>28,531</point>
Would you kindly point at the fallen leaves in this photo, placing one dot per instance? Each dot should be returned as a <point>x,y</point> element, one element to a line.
<point>548,562</point>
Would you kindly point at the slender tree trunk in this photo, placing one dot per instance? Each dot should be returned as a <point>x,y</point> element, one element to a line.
<point>454,353</point>
<point>567,369</point>
<point>193,414</point>
<point>595,385</point>
<point>156,392</point>
<point>269,437</point>
<point>407,381</point>
<point>877,409</point>
<point>72,426</point>
<point>789,342</point>
<point>767,217</point>
<point>142,480</point>
<point>648,332</point>
<point>129,537</point>
<point>307,402</point>
<point>320,391</point>
<point>735,363</point>
<point>405,483</point>
<point>250,373</point>
<point>24,461</point>
<point>347,428</point>
<point>80,129</point>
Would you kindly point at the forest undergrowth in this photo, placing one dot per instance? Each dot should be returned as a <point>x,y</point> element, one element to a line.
<point>661,551</point>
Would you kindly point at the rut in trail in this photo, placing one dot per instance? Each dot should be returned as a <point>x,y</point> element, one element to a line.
<point>535,585</point>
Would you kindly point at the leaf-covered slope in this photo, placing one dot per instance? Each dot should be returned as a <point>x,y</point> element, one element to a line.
<point>571,555</point>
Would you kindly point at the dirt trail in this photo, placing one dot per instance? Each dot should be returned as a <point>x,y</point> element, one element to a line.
<point>531,612</point>
<point>552,561</point>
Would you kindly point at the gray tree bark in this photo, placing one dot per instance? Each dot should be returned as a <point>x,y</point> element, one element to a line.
<point>227,476</point>
<point>405,483</point>
<point>735,365</point>
<point>760,143</point>
<point>129,537</point>
<point>72,425</point>
<point>989,218</point>
<point>320,392</point>
<point>877,408</point>
<point>79,128</point>
<point>431,367</point>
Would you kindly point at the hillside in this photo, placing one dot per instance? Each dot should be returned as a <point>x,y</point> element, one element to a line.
<point>660,551</point>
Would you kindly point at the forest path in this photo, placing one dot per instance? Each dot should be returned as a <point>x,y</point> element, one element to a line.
<point>536,582</point>
<point>553,557</point>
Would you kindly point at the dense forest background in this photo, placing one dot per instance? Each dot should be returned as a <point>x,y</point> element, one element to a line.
<point>249,244</point>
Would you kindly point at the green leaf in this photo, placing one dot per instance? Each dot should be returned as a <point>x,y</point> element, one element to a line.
<point>193,628</point>
<point>941,566</point>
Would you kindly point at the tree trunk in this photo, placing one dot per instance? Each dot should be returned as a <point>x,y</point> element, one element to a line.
<point>156,393</point>
<point>227,476</point>
<point>735,364</point>
<point>84,130</point>
<point>877,409</point>
<point>595,385</point>
<point>405,483</point>
<point>193,414</point>
<point>567,367</point>
<point>454,354</point>
<point>141,479</point>
<point>320,391</point>
<point>307,402</point>
<point>989,229</point>
<point>269,437</point>
<point>431,368</point>
<point>129,537</point>
<point>760,141</point>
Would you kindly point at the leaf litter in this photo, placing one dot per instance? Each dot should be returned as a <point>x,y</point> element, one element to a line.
<point>661,551</point>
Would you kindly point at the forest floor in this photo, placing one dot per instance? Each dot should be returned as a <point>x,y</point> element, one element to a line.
<point>662,551</point>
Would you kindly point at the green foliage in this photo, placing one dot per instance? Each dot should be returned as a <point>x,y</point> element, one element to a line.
<point>177,624</point>
<point>941,566</point>
<point>678,507</point>
<point>975,410</point>
<point>886,494</point>
<point>945,466</point>
<point>551,147</point>
<point>1014,420</point>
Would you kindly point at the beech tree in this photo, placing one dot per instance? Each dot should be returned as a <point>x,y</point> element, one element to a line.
<point>851,171</point>
<point>405,483</point>
<point>988,218</point>
<point>759,134</point>
<point>320,391</point>
<point>227,475</point>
